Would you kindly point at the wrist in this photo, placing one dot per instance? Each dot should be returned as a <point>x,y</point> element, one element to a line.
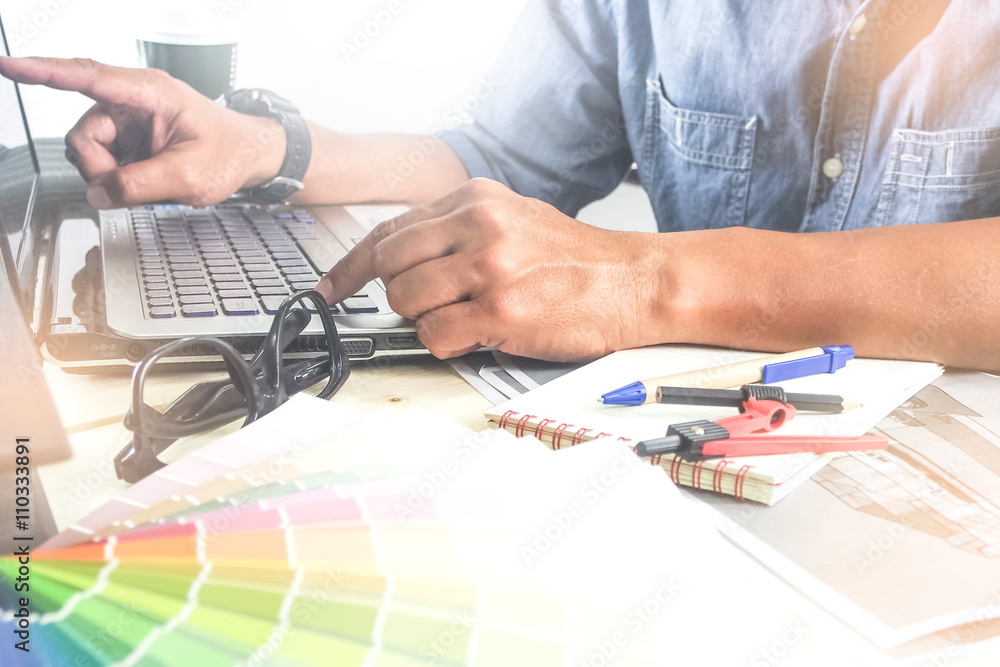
<point>730,287</point>
<point>262,149</point>
<point>658,297</point>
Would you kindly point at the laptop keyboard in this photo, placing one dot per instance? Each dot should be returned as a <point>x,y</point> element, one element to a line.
<point>228,260</point>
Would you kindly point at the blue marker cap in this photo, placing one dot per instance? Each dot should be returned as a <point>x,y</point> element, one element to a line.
<point>836,357</point>
<point>633,394</point>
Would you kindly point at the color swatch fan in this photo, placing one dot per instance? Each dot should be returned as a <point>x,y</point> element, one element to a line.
<point>401,539</point>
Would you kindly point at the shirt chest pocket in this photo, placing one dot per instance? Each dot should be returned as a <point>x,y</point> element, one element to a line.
<point>695,165</point>
<point>940,177</point>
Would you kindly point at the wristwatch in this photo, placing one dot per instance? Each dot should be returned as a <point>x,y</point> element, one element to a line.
<point>260,102</point>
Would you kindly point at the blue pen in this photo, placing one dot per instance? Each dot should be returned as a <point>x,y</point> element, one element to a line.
<point>774,368</point>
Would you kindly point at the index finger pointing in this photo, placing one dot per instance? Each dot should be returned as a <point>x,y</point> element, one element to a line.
<point>102,83</point>
<point>357,268</point>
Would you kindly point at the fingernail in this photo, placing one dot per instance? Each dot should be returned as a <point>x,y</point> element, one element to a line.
<point>325,287</point>
<point>98,197</point>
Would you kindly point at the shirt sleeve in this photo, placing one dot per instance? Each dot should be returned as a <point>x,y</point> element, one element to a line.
<point>550,125</point>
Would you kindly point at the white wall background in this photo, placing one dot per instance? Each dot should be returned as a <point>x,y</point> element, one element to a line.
<point>428,57</point>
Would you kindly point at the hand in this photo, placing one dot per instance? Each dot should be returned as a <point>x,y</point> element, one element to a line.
<point>153,138</point>
<point>483,266</point>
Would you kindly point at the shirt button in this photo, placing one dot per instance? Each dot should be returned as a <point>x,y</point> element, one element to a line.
<point>833,168</point>
<point>857,25</point>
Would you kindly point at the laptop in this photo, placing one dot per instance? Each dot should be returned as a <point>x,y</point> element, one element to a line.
<point>101,290</point>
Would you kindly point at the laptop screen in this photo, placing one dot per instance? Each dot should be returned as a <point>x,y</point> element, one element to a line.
<point>18,185</point>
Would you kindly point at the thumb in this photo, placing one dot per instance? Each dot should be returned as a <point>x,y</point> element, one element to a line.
<point>168,176</point>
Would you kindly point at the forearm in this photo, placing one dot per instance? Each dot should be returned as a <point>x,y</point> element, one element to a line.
<point>150,137</point>
<point>929,292</point>
<point>379,168</point>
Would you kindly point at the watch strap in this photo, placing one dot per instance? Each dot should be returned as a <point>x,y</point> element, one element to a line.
<point>298,150</point>
<point>298,153</point>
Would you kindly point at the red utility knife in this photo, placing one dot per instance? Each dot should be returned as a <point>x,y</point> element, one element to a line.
<point>729,437</point>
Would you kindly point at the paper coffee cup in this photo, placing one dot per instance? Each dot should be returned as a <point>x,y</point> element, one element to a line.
<point>189,48</point>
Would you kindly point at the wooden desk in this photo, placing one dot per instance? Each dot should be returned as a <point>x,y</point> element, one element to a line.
<point>92,407</point>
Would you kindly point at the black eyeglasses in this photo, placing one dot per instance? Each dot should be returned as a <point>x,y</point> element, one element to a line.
<point>252,390</point>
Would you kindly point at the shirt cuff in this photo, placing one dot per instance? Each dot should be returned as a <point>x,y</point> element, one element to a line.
<point>472,157</point>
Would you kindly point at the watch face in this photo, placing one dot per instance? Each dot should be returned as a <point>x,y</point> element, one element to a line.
<point>259,102</point>
<point>272,194</point>
<point>248,101</point>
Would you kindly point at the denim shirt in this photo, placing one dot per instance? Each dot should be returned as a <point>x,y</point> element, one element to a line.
<point>794,115</point>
